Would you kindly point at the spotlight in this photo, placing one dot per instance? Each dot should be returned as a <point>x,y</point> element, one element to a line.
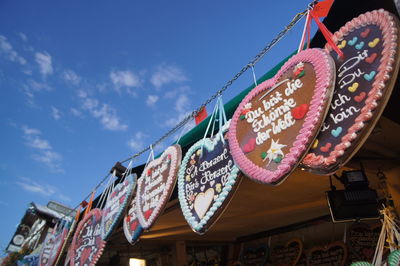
<point>356,202</point>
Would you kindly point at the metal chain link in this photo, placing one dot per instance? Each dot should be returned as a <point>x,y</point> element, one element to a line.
<point>194,113</point>
<point>252,63</point>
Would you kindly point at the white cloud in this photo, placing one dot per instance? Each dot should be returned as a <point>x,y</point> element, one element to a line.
<point>43,189</point>
<point>76,112</point>
<point>9,52</point>
<point>166,74</point>
<point>152,100</point>
<point>105,113</point>
<point>173,120</point>
<point>38,143</point>
<point>31,87</point>
<point>137,143</point>
<point>45,63</point>
<point>48,157</point>
<point>71,77</point>
<point>31,131</point>
<point>23,36</point>
<point>125,79</point>
<point>182,104</point>
<point>55,113</point>
<point>64,198</point>
<point>34,187</point>
<point>44,151</point>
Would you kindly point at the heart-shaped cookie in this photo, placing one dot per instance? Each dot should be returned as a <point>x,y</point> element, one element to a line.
<point>288,254</point>
<point>116,205</point>
<point>52,248</point>
<point>333,254</point>
<point>87,244</point>
<point>207,179</point>
<point>255,255</point>
<point>131,225</point>
<point>362,240</point>
<point>283,115</point>
<point>374,68</point>
<point>156,185</point>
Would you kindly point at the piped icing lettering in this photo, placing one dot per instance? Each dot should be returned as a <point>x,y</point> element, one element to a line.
<point>277,121</point>
<point>207,179</point>
<point>363,84</point>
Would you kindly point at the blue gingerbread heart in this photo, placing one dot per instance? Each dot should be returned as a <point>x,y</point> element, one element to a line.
<point>353,41</point>
<point>370,76</point>
<point>360,45</point>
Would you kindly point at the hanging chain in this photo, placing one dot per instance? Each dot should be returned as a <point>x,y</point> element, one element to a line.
<point>251,64</point>
<point>193,114</point>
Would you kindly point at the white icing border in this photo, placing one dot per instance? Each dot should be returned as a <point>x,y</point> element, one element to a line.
<point>209,144</point>
<point>171,180</point>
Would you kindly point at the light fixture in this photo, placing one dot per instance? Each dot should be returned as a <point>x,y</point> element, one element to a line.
<point>137,262</point>
<point>356,202</point>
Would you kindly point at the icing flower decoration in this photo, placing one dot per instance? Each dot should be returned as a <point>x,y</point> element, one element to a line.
<point>191,198</point>
<point>299,70</point>
<point>245,110</point>
<point>188,178</point>
<point>218,187</point>
<point>198,153</point>
<point>149,171</point>
<point>275,152</point>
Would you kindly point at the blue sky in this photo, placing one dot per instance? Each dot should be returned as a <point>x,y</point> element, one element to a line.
<point>85,84</point>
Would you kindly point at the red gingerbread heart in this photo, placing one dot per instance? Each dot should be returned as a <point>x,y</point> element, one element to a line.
<point>249,146</point>
<point>133,225</point>
<point>326,147</point>
<point>365,33</point>
<point>300,111</point>
<point>360,97</point>
<point>148,213</point>
<point>370,59</point>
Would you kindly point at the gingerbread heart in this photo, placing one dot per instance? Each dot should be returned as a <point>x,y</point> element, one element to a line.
<point>362,239</point>
<point>255,255</point>
<point>87,244</point>
<point>333,254</point>
<point>52,247</point>
<point>283,115</point>
<point>374,68</point>
<point>131,225</point>
<point>288,254</point>
<point>116,205</point>
<point>156,185</point>
<point>207,179</point>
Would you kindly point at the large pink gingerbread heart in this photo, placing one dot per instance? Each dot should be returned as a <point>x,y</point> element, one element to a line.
<point>156,184</point>
<point>365,79</point>
<point>275,124</point>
